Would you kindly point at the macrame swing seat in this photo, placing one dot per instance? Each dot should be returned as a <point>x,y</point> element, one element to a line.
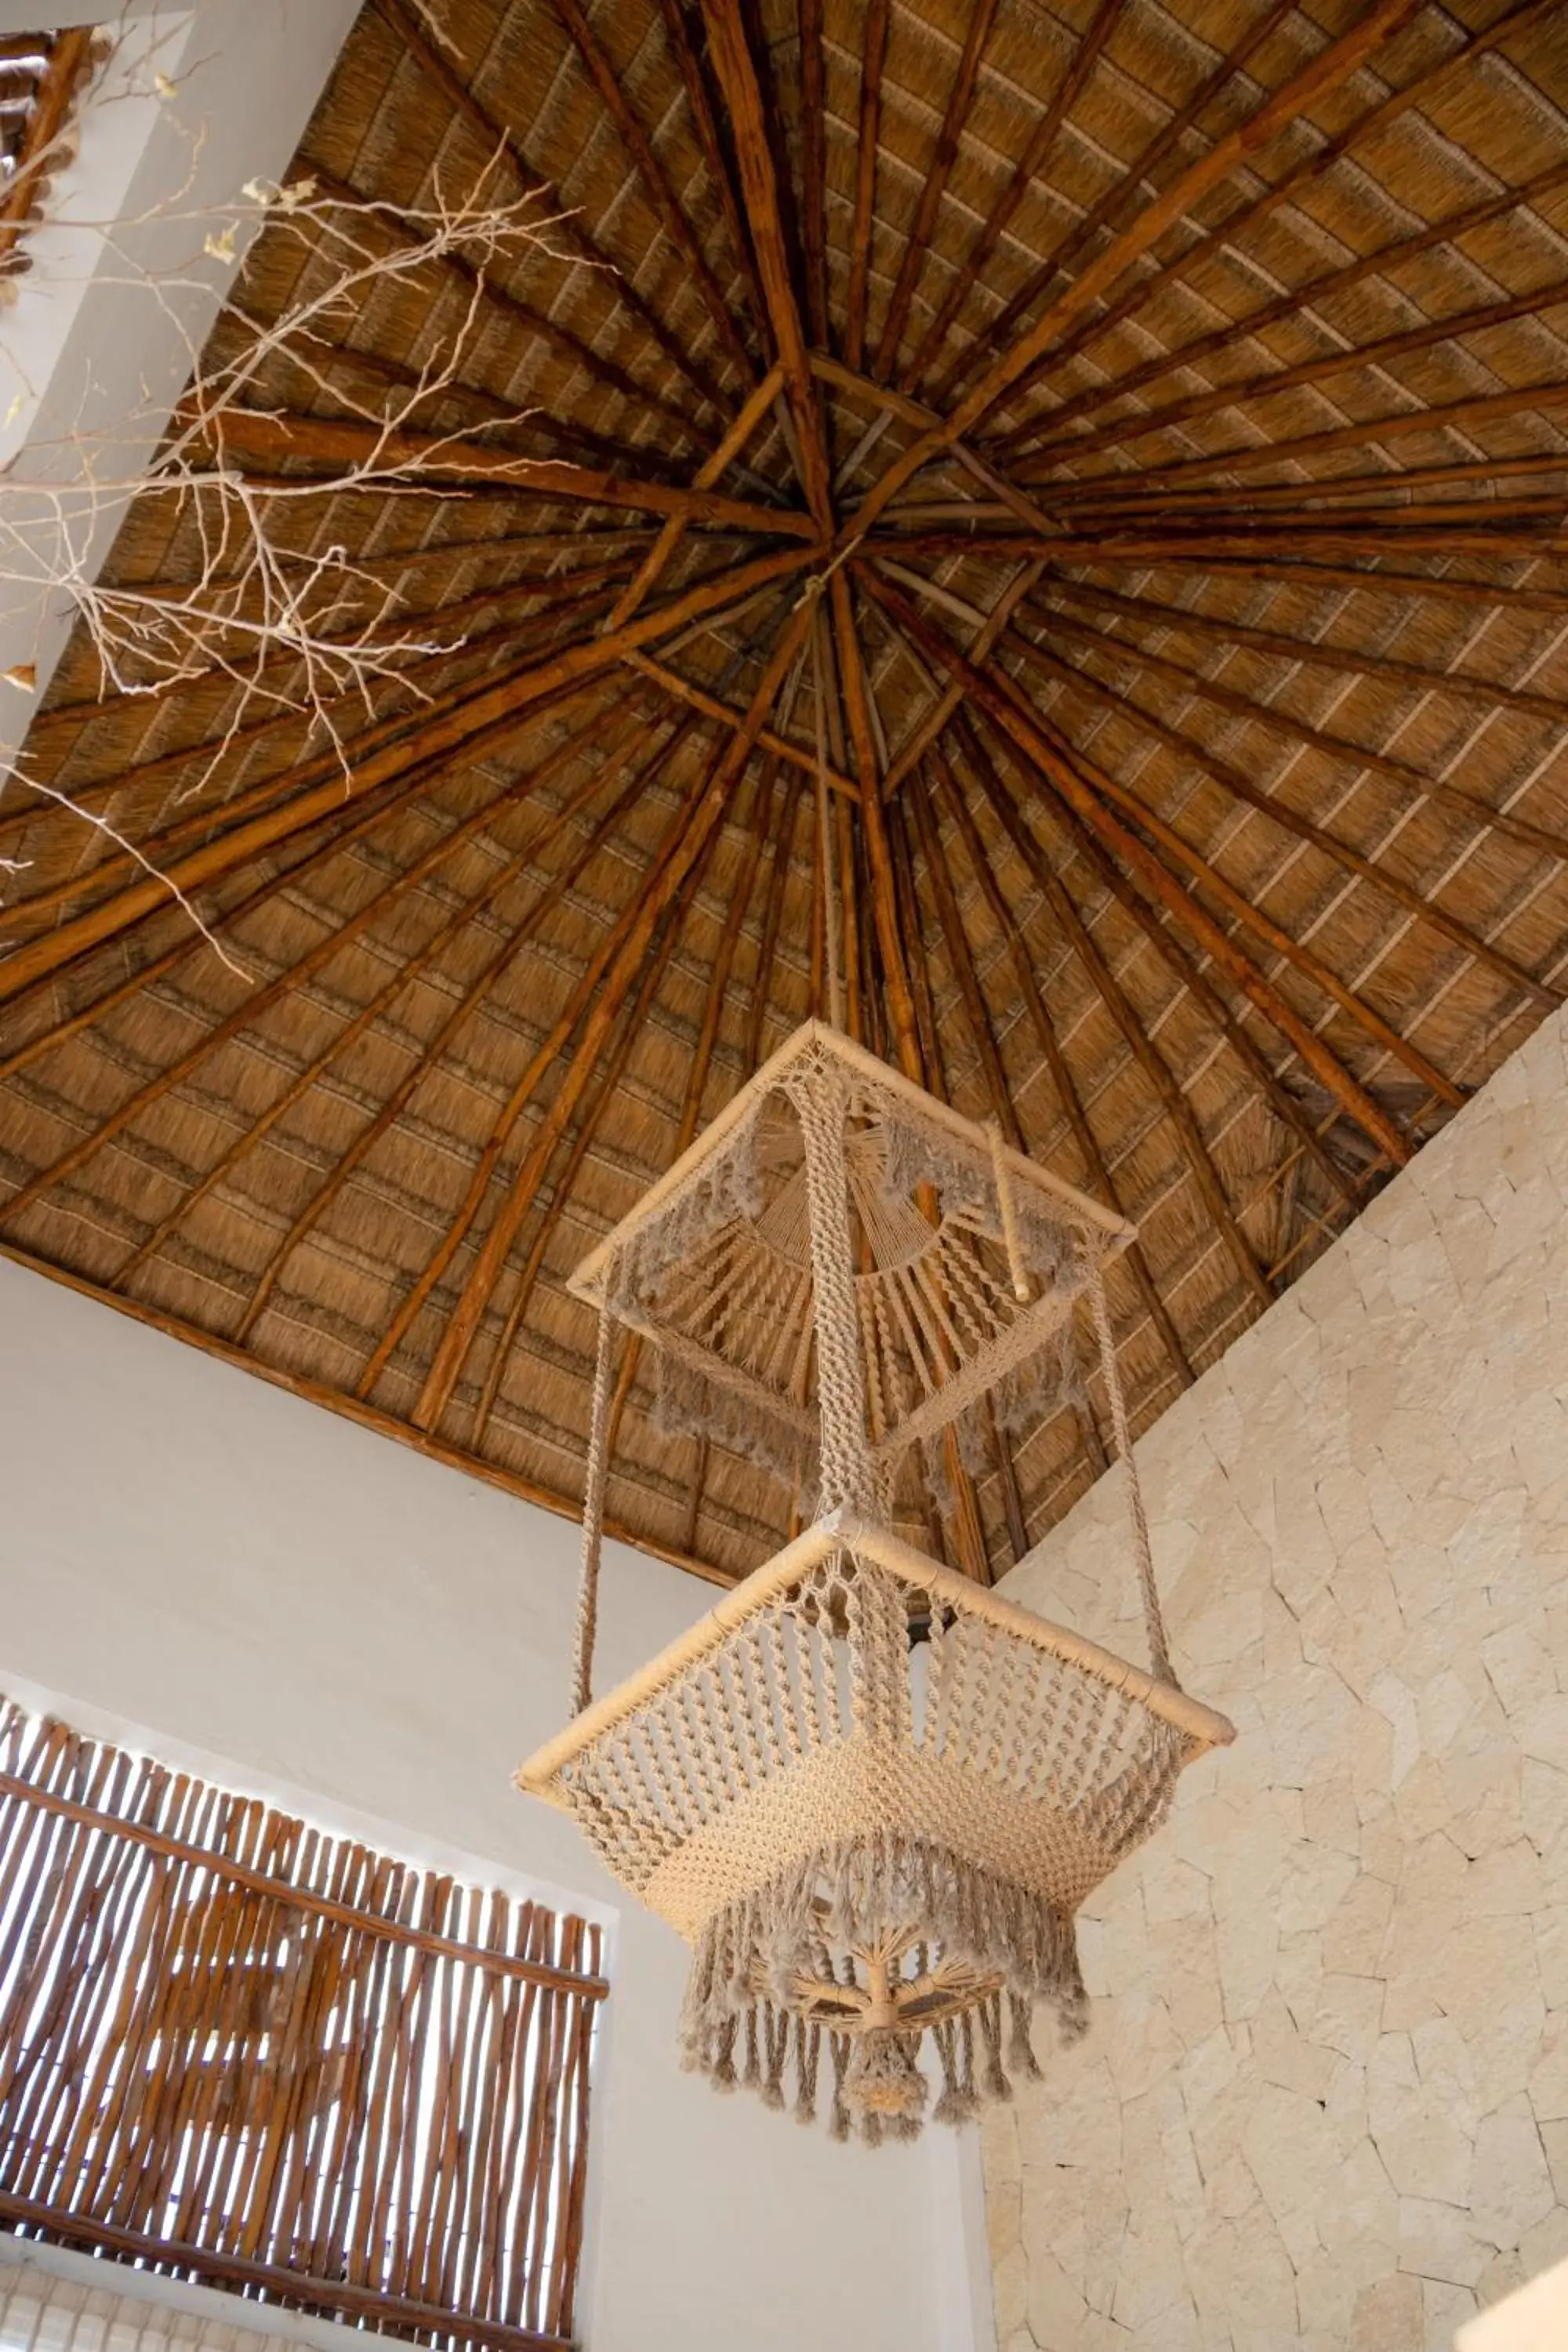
<point>869,1794</point>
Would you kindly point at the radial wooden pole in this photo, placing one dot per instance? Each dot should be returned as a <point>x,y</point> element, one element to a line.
<point>618,972</point>
<point>1344,753</point>
<point>1121,196</point>
<point>427,44</point>
<point>277,991</point>
<point>733,62</point>
<point>645,161</point>
<point>505,704</point>
<point>1015,721</point>
<point>1288,820</point>
<point>874,56</point>
<point>1062,1081</point>
<point>376,452</point>
<point>1150,1060</point>
<point>1384,262</point>
<point>1043,138</point>
<point>1289,187</point>
<point>1276,1097</point>
<point>1316,81</point>
<point>934,186</point>
<point>660,555</point>
<point>434,1048</point>
<point>884,901</point>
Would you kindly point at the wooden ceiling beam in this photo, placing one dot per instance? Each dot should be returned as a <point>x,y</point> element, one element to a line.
<point>873,59</point>
<point>934,186</point>
<point>618,967</point>
<point>379,1004</point>
<point>565,220</point>
<point>1372,432</point>
<point>729,47</point>
<point>1334,65</point>
<point>569,439</point>
<point>969,1524</point>
<point>297,975</point>
<point>30,912</point>
<point>1132,1025</point>
<point>655,182</point>
<point>751,1056</point>
<point>1065,1086</point>
<point>1085,54</point>
<point>511,310</point>
<point>1320,369</point>
<point>1227,235</point>
<point>434,1049</point>
<point>1181,851</point>
<point>726,714</point>
<point>1278,1100</point>
<point>662,552</point>
<point>1144,555</point>
<point>1414,782</point>
<point>510,701</point>
<point>1016,717</point>
<point>660,949</point>
<point>1348,858</point>
<point>884,902</point>
<point>929,731</point>
<point>710,137</point>
<point>1312,653</point>
<point>1384,262</point>
<point>325,840</point>
<point>1116,202</point>
<point>814,164</point>
<point>436,456</point>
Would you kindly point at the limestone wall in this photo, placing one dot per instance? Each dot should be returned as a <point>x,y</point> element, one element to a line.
<point>1324,2098</point>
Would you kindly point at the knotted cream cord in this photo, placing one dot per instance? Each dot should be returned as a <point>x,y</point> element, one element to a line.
<point>1159,1654</point>
<point>593,1509</point>
<point>1004,1181</point>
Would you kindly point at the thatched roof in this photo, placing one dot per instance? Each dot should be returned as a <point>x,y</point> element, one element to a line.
<point>1212,350</point>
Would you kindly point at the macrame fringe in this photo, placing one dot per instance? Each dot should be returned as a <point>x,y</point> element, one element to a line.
<point>862,1893</point>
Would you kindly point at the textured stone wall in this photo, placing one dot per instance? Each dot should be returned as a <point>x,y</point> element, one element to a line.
<point>1324,2101</point>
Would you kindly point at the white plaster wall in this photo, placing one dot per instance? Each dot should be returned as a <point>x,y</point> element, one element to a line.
<point>193,1560</point>
<point>1323,2102</point>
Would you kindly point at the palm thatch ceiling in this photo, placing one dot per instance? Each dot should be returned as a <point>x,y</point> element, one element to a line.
<point>1148,423</point>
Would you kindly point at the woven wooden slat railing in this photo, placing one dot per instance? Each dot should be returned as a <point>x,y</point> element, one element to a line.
<point>241,2050</point>
<point>41,75</point>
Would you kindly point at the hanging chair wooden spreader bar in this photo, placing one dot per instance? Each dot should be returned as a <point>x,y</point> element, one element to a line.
<point>871,1794</point>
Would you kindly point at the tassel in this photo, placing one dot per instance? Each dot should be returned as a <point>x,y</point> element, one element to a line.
<point>722,2069</point>
<point>996,2084</point>
<point>1020,2049</point>
<point>752,2078</point>
<point>882,2077</point>
<point>776,2038</point>
<point>839,2121</point>
<point>807,2052</point>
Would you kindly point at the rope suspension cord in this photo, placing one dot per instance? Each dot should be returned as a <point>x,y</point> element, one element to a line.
<point>593,1506</point>
<point>1007,1209</point>
<point>825,831</point>
<point>1154,1623</point>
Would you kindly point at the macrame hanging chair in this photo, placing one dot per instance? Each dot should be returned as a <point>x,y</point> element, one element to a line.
<point>869,1794</point>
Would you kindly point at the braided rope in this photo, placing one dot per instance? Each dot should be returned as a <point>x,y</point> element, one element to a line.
<point>1154,1623</point>
<point>1009,1213</point>
<point>593,1512</point>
